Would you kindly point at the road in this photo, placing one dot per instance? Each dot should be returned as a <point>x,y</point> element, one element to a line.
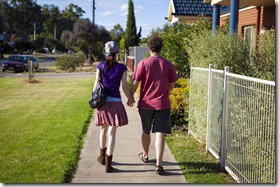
<point>43,63</point>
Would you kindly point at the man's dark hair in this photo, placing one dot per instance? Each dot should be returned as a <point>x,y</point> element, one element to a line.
<point>155,43</point>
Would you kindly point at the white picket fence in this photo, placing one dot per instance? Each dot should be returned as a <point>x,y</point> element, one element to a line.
<point>235,116</point>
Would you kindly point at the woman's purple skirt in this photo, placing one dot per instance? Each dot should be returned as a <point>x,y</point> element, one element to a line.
<point>111,114</point>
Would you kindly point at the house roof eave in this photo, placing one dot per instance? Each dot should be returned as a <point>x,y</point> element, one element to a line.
<point>170,11</point>
<point>189,19</point>
<point>191,15</point>
<point>243,2</point>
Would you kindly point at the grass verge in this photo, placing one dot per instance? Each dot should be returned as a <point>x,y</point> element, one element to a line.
<point>42,128</point>
<point>197,165</point>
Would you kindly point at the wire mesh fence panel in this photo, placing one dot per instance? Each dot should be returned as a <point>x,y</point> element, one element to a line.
<point>251,130</point>
<point>215,119</point>
<point>198,103</point>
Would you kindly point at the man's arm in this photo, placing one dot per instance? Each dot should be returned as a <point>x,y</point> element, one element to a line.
<point>134,86</point>
<point>171,86</point>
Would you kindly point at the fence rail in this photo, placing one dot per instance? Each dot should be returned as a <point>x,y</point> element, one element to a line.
<point>235,116</point>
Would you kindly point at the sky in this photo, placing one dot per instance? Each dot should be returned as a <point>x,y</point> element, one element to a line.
<point>149,14</point>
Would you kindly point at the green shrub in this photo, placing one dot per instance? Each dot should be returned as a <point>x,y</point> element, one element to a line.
<point>220,50</point>
<point>265,60</point>
<point>69,62</point>
<point>179,98</point>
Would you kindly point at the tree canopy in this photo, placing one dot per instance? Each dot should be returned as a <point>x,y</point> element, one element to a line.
<point>20,16</point>
<point>16,17</point>
<point>117,33</point>
<point>88,38</point>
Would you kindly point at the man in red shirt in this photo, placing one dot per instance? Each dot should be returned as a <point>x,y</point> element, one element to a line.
<point>157,77</point>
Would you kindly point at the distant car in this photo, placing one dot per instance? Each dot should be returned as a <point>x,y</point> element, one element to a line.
<point>19,63</point>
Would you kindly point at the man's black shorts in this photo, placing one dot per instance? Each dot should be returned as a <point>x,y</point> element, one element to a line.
<point>159,120</point>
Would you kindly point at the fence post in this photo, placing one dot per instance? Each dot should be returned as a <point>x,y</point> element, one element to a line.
<point>190,96</point>
<point>224,121</point>
<point>30,63</point>
<point>209,107</point>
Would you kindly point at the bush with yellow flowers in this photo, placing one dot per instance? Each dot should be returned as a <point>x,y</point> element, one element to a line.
<point>179,98</point>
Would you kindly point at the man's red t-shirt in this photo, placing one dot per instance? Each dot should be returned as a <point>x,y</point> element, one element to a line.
<point>155,74</point>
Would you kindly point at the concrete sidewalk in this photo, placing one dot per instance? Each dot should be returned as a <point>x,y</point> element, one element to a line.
<point>128,167</point>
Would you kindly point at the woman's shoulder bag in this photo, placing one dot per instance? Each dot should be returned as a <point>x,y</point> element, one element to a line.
<point>99,95</point>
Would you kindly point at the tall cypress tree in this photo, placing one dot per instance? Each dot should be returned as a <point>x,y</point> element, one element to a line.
<point>131,36</point>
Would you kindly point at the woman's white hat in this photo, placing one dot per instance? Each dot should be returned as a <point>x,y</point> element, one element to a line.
<point>111,47</point>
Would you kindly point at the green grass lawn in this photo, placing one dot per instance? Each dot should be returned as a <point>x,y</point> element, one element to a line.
<point>42,128</point>
<point>43,125</point>
<point>197,165</point>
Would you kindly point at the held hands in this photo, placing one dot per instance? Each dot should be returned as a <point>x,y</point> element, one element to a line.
<point>131,102</point>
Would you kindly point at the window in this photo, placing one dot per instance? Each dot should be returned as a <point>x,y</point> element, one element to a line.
<point>250,36</point>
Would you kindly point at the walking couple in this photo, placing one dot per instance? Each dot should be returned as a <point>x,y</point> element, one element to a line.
<point>157,77</point>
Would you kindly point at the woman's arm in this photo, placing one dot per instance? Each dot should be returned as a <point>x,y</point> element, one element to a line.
<point>126,90</point>
<point>96,79</point>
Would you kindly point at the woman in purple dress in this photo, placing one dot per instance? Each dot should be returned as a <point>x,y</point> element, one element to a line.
<point>112,114</point>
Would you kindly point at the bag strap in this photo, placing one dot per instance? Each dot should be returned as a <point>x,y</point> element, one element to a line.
<point>101,71</point>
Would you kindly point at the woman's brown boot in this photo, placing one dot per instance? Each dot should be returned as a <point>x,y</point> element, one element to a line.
<point>101,158</point>
<point>109,168</point>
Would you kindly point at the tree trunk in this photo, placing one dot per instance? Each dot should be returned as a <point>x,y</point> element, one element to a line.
<point>89,59</point>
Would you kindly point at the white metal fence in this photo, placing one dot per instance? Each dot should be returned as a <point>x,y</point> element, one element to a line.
<point>235,116</point>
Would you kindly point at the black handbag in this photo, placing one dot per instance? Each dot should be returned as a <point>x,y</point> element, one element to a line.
<point>99,95</point>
